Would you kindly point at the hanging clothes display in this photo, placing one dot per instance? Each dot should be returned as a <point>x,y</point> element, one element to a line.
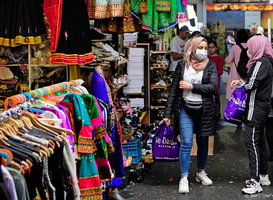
<point>21,22</point>
<point>68,125</point>
<point>160,16</point>
<point>181,11</point>
<point>74,44</point>
<point>100,9</point>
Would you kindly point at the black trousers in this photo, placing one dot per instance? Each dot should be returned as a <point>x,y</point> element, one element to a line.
<point>257,153</point>
<point>269,133</point>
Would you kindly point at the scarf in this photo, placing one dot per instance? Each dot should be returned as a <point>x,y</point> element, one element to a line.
<point>190,56</point>
<point>258,46</point>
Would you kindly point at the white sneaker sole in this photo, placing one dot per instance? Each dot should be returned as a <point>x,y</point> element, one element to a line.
<point>183,191</point>
<point>202,182</point>
<point>258,191</point>
<point>266,183</point>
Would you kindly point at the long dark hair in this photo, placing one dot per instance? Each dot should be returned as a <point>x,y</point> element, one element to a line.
<point>213,42</point>
<point>242,36</point>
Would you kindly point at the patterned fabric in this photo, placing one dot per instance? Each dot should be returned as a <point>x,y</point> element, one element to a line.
<point>76,59</point>
<point>143,6</point>
<point>181,15</point>
<point>163,5</point>
<point>99,9</point>
<point>53,12</point>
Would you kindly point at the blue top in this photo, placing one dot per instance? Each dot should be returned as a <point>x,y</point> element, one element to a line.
<point>228,44</point>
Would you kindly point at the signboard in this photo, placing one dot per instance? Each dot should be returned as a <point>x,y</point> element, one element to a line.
<point>251,18</point>
<point>243,7</point>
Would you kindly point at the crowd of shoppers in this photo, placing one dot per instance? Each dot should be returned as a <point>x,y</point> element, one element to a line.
<point>196,84</point>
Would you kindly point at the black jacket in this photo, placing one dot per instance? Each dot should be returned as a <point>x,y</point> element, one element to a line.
<point>258,88</point>
<point>206,89</point>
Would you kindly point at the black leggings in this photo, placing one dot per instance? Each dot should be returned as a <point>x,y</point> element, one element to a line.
<point>269,133</point>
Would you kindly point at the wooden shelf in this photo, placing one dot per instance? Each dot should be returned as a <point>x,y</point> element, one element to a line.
<point>154,86</point>
<point>12,65</point>
<point>142,116</point>
<point>48,65</point>
<point>165,67</point>
<point>157,107</point>
<point>159,52</point>
<point>102,40</point>
<point>119,87</point>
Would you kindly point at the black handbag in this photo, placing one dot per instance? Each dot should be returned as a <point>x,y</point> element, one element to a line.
<point>193,108</point>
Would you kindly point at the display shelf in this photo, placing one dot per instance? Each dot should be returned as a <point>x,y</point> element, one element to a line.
<point>163,67</point>
<point>115,90</point>
<point>157,107</point>
<point>129,136</point>
<point>102,40</point>
<point>12,65</point>
<point>141,119</point>
<point>159,52</point>
<point>154,86</point>
<point>49,65</point>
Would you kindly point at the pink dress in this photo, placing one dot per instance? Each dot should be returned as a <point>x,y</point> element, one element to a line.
<point>233,56</point>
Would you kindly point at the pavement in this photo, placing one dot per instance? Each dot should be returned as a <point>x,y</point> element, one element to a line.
<point>228,169</point>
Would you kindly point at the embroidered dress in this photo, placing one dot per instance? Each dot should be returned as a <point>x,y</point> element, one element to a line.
<point>181,14</point>
<point>89,181</point>
<point>53,12</point>
<point>74,45</point>
<point>21,22</point>
<point>99,9</point>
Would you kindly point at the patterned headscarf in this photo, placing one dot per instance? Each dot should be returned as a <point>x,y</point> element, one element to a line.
<point>258,46</point>
<point>190,56</point>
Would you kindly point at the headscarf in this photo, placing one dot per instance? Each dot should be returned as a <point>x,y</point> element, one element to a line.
<point>258,46</point>
<point>190,56</point>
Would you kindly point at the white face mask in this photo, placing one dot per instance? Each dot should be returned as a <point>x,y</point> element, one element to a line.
<point>248,54</point>
<point>201,54</point>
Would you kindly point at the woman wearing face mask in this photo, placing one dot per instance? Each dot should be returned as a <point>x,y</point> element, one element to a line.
<point>221,45</point>
<point>195,81</point>
<point>234,58</point>
<point>258,88</point>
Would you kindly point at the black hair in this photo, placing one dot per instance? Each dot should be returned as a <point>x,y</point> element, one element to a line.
<point>211,41</point>
<point>196,33</point>
<point>242,36</point>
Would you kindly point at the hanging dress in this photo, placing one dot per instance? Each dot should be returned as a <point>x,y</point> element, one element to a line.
<point>74,45</point>
<point>21,22</point>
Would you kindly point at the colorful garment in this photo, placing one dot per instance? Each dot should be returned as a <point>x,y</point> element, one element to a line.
<point>99,9</point>
<point>89,181</point>
<point>74,45</point>
<point>21,22</point>
<point>181,8</point>
<point>53,13</point>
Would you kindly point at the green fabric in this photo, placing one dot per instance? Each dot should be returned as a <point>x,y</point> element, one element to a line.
<point>221,47</point>
<point>91,105</point>
<point>81,114</point>
<point>147,18</point>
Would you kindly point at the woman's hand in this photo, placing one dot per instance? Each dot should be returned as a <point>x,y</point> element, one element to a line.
<point>185,85</point>
<point>167,121</point>
<point>233,83</point>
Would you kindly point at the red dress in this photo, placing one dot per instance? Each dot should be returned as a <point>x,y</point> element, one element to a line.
<point>219,66</point>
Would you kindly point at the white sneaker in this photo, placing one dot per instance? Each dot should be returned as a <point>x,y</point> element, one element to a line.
<point>265,180</point>
<point>252,187</point>
<point>203,178</point>
<point>184,185</point>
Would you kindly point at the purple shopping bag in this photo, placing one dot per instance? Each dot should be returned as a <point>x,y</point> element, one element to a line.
<point>165,147</point>
<point>235,108</point>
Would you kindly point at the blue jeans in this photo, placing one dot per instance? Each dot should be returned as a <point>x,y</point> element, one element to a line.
<point>188,125</point>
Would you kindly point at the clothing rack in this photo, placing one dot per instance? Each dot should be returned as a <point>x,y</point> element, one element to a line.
<point>37,93</point>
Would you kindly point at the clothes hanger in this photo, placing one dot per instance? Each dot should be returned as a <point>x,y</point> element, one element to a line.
<point>16,166</point>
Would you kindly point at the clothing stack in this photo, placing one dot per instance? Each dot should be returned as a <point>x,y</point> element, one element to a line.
<point>135,70</point>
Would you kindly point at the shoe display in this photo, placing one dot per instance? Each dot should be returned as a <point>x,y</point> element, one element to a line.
<point>252,187</point>
<point>264,180</point>
<point>203,178</point>
<point>184,185</point>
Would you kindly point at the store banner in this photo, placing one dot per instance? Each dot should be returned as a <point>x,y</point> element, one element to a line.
<point>242,7</point>
<point>251,18</point>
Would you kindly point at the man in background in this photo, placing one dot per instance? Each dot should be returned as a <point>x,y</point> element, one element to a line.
<point>177,47</point>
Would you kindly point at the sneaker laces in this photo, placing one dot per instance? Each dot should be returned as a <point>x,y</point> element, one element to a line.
<point>249,183</point>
